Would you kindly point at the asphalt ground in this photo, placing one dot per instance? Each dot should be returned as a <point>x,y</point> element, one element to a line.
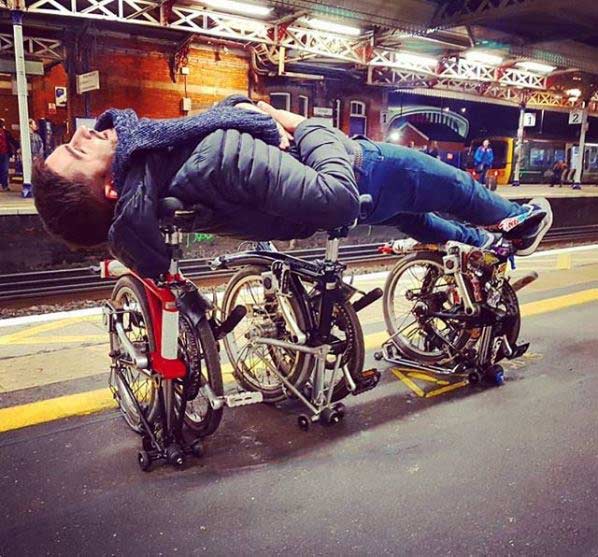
<point>501,471</point>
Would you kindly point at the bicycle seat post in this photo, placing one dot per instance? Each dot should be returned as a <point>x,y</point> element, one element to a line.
<point>332,243</point>
<point>173,238</point>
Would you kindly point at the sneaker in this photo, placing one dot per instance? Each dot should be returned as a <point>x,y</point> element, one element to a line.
<point>398,246</point>
<point>519,225</point>
<point>498,245</point>
<point>527,238</point>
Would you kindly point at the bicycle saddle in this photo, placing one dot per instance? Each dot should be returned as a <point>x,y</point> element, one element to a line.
<point>366,204</point>
<point>365,207</point>
<point>171,211</point>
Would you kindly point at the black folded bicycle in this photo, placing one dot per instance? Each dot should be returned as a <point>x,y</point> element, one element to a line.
<point>300,337</point>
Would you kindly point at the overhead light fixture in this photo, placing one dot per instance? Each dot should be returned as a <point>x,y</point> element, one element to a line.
<point>483,58</point>
<point>535,67</point>
<point>337,28</point>
<point>395,136</point>
<point>412,58</point>
<point>238,7</point>
<point>573,93</point>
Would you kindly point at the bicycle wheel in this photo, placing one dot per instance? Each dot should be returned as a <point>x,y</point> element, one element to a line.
<point>129,296</point>
<point>512,324</point>
<point>253,364</point>
<point>199,350</point>
<point>346,327</point>
<point>418,279</point>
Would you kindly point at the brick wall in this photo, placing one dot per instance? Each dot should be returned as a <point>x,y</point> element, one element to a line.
<point>9,107</point>
<point>324,94</point>
<point>136,74</point>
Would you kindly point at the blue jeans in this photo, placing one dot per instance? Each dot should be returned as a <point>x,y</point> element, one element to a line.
<point>4,157</point>
<point>407,187</point>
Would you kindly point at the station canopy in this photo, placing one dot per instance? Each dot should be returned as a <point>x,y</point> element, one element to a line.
<point>540,52</point>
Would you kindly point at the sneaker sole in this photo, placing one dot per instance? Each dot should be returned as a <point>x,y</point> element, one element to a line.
<point>520,230</point>
<point>546,224</point>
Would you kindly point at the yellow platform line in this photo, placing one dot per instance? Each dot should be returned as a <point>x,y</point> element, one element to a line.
<point>425,377</point>
<point>411,384</point>
<point>26,336</point>
<point>16,417</point>
<point>80,404</point>
<point>447,389</point>
<point>559,302</point>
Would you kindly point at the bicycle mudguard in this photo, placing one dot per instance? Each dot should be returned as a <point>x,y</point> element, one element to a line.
<point>194,305</point>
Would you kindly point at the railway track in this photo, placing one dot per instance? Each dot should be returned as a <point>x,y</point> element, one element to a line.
<point>81,280</point>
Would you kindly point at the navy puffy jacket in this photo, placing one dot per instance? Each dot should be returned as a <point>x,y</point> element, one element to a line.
<point>238,186</point>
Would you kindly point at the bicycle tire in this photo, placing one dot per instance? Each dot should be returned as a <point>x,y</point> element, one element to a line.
<point>130,287</point>
<point>203,338</point>
<point>301,368</point>
<point>356,357</point>
<point>427,258</point>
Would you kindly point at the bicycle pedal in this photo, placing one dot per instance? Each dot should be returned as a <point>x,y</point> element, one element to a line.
<point>518,351</point>
<point>369,379</point>
<point>243,399</point>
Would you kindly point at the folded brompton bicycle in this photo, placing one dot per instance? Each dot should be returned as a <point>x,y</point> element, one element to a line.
<point>451,309</point>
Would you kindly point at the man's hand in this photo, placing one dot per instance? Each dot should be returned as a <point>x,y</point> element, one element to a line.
<point>288,120</point>
<point>285,136</point>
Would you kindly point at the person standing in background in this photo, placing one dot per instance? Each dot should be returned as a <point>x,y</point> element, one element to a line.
<point>8,146</point>
<point>37,145</point>
<point>483,159</point>
<point>37,152</point>
<point>558,169</point>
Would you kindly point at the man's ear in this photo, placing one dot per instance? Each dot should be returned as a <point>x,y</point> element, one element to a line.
<point>109,191</point>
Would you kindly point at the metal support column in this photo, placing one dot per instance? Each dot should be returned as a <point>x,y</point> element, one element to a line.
<point>582,147</point>
<point>17,26</point>
<point>519,145</point>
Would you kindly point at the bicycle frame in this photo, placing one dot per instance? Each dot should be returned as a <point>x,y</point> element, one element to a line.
<point>461,261</point>
<point>164,316</point>
<point>326,273</point>
<point>284,278</point>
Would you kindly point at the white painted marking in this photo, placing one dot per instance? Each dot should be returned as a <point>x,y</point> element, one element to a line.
<point>170,334</point>
<point>44,317</point>
<point>368,277</point>
<point>548,252</point>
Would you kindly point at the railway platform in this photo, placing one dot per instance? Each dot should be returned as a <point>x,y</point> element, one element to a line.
<point>439,467</point>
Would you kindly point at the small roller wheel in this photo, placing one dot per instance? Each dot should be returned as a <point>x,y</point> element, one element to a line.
<point>144,460</point>
<point>473,377</point>
<point>197,448</point>
<point>495,376</point>
<point>330,416</point>
<point>378,356</point>
<point>303,422</point>
<point>340,409</point>
<point>175,456</point>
